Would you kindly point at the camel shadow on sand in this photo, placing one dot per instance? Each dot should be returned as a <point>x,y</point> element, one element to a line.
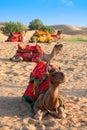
<point>15,106</point>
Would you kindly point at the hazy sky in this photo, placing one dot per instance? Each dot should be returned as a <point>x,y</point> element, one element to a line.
<point>50,12</point>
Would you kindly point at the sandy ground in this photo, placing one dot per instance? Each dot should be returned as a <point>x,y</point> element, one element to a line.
<point>16,114</point>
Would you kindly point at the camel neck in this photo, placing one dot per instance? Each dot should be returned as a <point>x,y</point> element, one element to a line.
<point>53,53</point>
<point>54,88</point>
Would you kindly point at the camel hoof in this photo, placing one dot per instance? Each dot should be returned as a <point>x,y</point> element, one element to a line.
<point>62,114</point>
<point>38,117</point>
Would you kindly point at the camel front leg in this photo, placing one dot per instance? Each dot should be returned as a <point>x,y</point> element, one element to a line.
<point>62,113</point>
<point>39,114</point>
<point>38,108</point>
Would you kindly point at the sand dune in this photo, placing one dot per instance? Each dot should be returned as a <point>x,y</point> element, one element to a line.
<point>17,115</point>
<point>71,30</point>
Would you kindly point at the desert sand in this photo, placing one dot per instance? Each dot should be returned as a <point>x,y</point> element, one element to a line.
<point>16,114</point>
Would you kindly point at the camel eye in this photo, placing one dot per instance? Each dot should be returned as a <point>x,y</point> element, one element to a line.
<point>59,68</point>
<point>52,70</point>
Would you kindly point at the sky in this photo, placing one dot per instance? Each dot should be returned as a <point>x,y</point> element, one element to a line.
<point>50,12</point>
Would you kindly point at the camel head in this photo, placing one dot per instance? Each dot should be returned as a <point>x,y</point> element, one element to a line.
<point>56,77</point>
<point>57,48</point>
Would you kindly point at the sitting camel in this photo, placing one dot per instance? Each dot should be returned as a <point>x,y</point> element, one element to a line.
<point>47,57</point>
<point>48,102</point>
<point>36,55</point>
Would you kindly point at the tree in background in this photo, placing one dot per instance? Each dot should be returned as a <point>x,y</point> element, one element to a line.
<point>11,27</point>
<point>35,24</point>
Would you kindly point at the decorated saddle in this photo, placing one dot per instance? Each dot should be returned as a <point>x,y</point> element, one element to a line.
<point>15,37</point>
<point>38,83</point>
<point>28,53</point>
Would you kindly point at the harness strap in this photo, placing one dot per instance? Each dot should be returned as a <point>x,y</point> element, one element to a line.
<point>61,102</point>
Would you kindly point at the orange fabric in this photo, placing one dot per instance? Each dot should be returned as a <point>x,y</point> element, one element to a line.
<point>41,32</point>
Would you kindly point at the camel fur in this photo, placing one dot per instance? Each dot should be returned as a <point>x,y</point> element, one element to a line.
<point>48,102</point>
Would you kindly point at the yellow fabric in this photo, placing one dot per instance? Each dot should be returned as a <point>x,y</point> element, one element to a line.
<point>42,36</point>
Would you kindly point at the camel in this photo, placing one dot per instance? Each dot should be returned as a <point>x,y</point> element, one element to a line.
<point>44,57</point>
<point>58,37</point>
<point>48,102</point>
<point>56,49</point>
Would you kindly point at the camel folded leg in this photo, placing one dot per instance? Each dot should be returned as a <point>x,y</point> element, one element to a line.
<point>16,58</point>
<point>39,114</point>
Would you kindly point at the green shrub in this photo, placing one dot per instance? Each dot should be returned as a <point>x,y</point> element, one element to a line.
<point>11,27</point>
<point>35,24</point>
<point>48,28</point>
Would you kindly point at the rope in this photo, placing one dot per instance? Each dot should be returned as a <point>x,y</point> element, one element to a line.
<point>61,102</point>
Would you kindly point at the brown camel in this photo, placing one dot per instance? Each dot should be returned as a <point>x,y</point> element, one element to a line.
<point>48,102</point>
<point>45,57</point>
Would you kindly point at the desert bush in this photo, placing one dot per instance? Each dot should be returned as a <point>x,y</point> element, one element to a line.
<point>11,27</point>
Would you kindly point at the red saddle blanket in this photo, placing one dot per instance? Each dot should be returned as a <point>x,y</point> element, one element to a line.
<point>39,82</point>
<point>15,37</point>
<point>29,52</point>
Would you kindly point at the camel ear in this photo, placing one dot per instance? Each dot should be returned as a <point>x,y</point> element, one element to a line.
<point>59,68</point>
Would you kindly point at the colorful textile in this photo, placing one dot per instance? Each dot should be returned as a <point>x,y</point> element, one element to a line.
<point>41,36</point>
<point>39,82</point>
<point>15,37</point>
<point>29,53</point>
<point>56,36</point>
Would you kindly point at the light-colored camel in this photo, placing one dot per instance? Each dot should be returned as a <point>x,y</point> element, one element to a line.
<point>48,102</point>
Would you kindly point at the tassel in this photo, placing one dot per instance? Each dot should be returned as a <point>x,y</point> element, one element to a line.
<point>35,85</point>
